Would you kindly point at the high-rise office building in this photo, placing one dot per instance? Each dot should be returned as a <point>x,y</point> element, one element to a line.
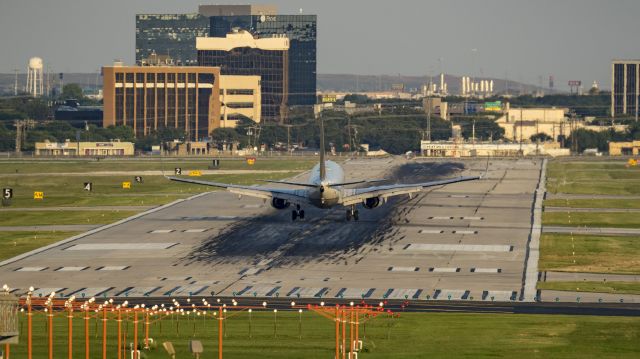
<point>175,35</point>
<point>625,82</point>
<point>172,35</point>
<point>239,53</point>
<point>301,30</point>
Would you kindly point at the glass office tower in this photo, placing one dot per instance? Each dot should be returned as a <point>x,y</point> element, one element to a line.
<point>301,32</point>
<point>239,53</point>
<point>625,87</point>
<point>172,35</point>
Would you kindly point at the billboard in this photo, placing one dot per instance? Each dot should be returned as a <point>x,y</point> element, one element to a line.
<point>494,106</point>
<point>397,87</point>
<point>575,83</point>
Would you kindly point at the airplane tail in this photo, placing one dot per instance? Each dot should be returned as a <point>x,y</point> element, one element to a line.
<point>323,170</point>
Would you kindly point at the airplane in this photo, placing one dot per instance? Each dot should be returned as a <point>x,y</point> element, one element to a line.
<point>326,189</point>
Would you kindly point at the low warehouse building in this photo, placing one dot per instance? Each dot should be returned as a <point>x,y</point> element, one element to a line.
<point>624,148</point>
<point>68,148</point>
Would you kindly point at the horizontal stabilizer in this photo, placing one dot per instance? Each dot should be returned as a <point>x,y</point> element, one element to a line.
<point>356,182</point>
<point>292,183</point>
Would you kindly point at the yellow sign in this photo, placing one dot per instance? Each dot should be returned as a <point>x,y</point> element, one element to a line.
<point>126,185</point>
<point>38,195</point>
<point>329,98</point>
<point>251,161</point>
<point>195,173</point>
<point>632,162</point>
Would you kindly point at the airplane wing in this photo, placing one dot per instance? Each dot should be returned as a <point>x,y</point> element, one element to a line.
<point>291,195</point>
<point>354,196</point>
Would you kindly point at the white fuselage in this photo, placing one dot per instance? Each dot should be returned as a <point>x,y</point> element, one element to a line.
<point>326,196</point>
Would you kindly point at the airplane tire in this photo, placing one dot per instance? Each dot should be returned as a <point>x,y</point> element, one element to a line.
<point>349,215</point>
<point>301,214</point>
<point>356,215</point>
<point>294,215</point>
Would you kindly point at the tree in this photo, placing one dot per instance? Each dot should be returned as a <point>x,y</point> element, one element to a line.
<point>541,137</point>
<point>70,91</point>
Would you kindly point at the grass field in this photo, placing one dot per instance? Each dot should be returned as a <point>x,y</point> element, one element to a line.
<point>598,287</point>
<point>140,164</point>
<point>593,178</point>
<point>594,203</point>
<point>412,335</point>
<point>43,218</point>
<point>593,254</point>
<point>107,190</point>
<point>14,243</point>
<point>592,219</point>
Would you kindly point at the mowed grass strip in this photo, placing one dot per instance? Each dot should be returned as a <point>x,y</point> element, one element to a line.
<point>592,219</point>
<point>46,218</point>
<point>593,254</point>
<point>412,335</point>
<point>108,191</point>
<point>594,287</point>
<point>593,178</point>
<point>15,243</point>
<point>593,203</point>
<point>135,164</point>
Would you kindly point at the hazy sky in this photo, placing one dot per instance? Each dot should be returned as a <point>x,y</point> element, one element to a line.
<point>526,39</point>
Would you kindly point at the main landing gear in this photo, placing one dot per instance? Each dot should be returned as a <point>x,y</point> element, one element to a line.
<point>352,213</point>
<point>297,213</point>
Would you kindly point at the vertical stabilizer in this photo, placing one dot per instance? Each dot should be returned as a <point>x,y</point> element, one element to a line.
<point>323,170</point>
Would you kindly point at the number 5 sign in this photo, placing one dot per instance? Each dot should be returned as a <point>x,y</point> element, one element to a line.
<point>7,193</point>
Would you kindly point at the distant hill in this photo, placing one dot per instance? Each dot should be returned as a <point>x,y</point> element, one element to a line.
<point>326,82</point>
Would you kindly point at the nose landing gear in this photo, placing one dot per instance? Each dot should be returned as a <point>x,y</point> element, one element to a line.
<point>297,213</point>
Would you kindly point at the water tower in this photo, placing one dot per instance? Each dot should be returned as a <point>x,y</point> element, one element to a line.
<point>34,77</point>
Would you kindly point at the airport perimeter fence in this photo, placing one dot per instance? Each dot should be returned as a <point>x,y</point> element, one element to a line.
<point>67,328</point>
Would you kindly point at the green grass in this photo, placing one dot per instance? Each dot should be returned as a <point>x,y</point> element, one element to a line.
<point>412,335</point>
<point>43,218</point>
<point>596,287</point>
<point>592,219</point>
<point>594,203</point>
<point>593,178</point>
<point>108,191</point>
<point>15,243</point>
<point>593,254</point>
<point>137,164</point>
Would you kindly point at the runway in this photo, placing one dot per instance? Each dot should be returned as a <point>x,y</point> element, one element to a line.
<point>465,241</point>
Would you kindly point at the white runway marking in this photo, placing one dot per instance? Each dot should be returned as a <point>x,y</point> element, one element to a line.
<point>403,293</point>
<point>31,269</point>
<point>45,292</point>
<point>486,270</point>
<point>403,269</point>
<point>465,232</point>
<point>113,268</point>
<point>119,246</point>
<point>161,231</point>
<point>473,218</point>
<point>459,247</point>
<point>430,231</point>
<point>445,269</point>
<point>441,217</point>
<point>199,230</point>
<point>71,269</point>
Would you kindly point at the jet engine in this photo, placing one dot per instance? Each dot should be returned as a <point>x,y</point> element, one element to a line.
<point>371,203</point>
<point>279,203</point>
